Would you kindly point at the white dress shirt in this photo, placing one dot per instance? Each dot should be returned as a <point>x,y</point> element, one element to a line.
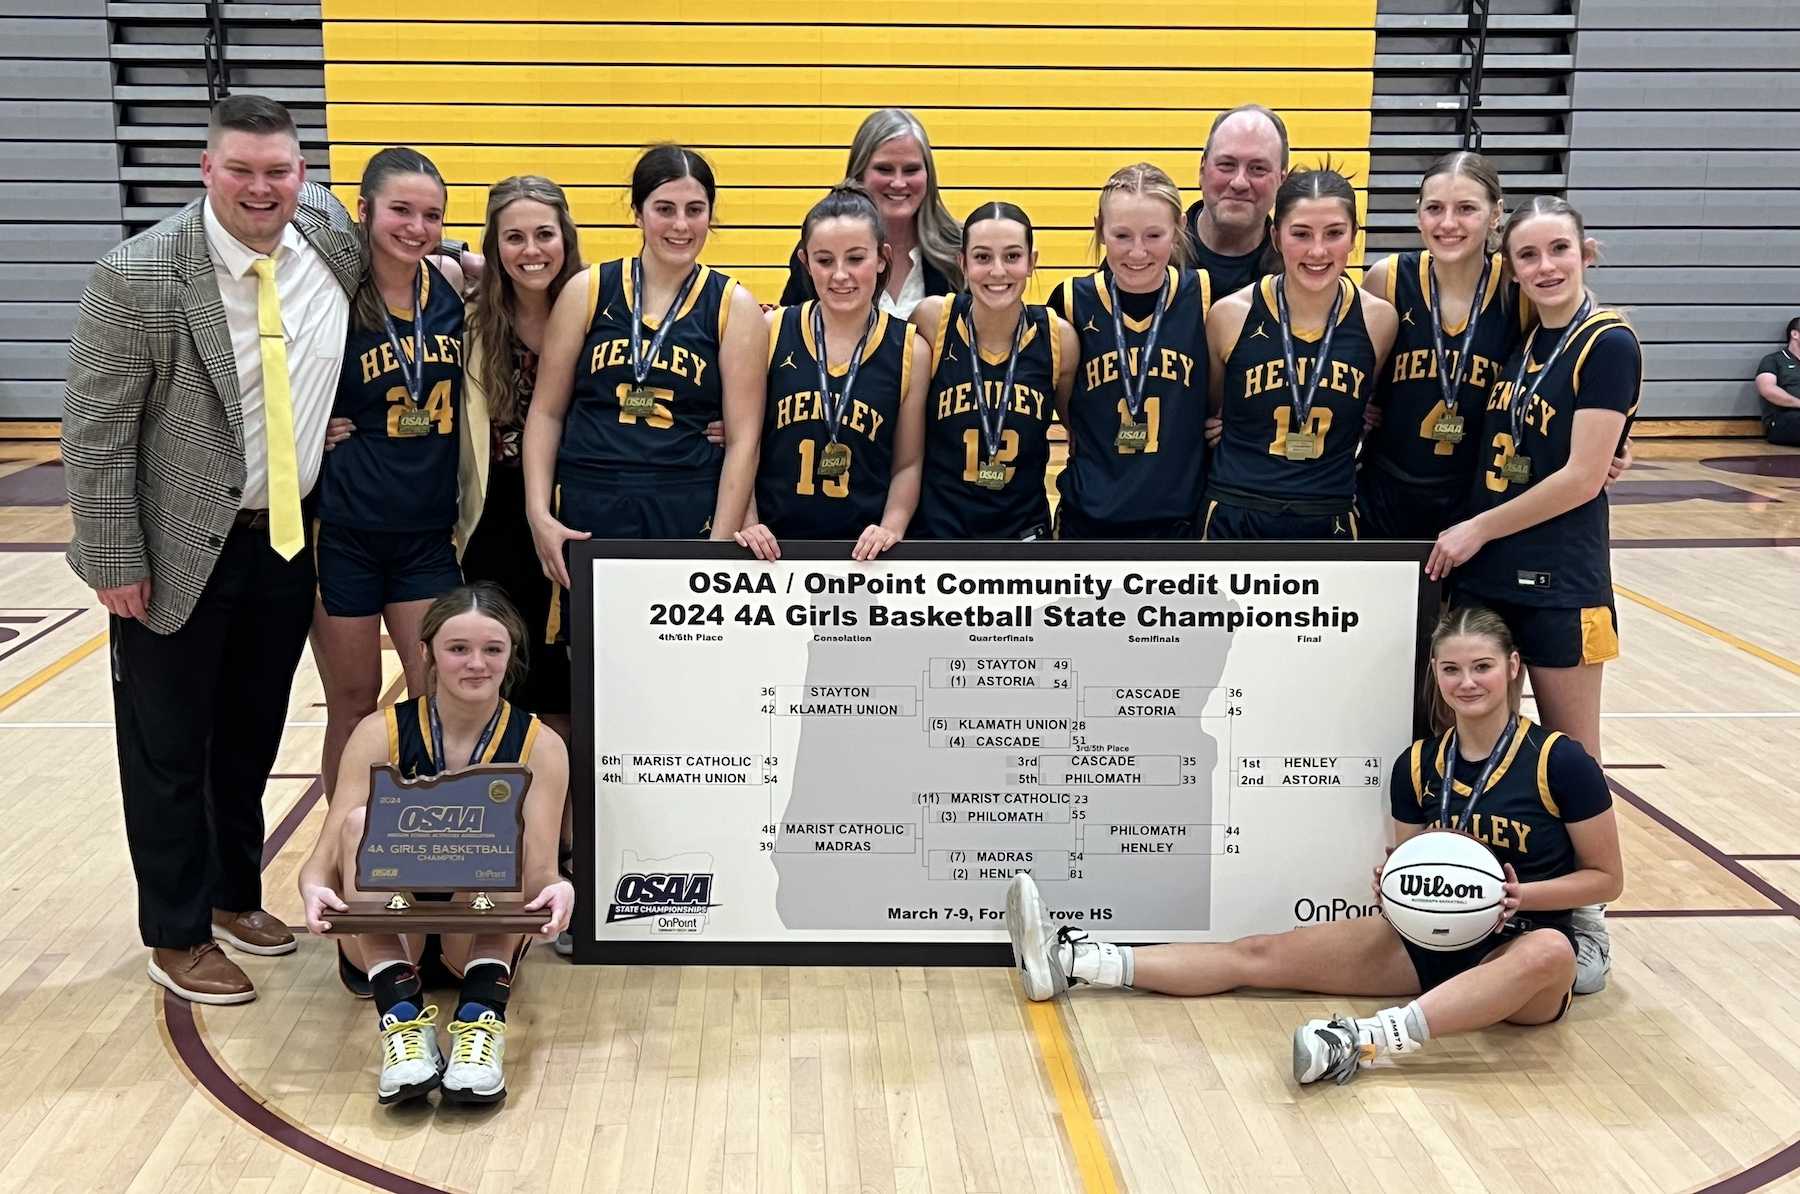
<point>912,291</point>
<point>315,312</point>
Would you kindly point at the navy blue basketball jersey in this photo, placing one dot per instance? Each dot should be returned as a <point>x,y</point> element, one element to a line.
<point>1563,562</point>
<point>599,435</point>
<point>798,494</point>
<point>398,471</point>
<point>1543,782</point>
<point>1258,408</point>
<point>1153,472</point>
<point>409,738</point>
<point>956,500</point>
<point>1409,390</point>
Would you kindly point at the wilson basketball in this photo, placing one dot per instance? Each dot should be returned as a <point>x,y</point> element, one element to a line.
<point>1442,890</point>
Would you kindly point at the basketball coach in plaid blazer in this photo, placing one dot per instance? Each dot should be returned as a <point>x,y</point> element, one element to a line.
<point>201,376</point>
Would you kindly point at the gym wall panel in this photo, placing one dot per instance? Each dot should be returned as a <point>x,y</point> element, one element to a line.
<point>1035,102</point>
<point>1682,159</point>
<point>60,201</point>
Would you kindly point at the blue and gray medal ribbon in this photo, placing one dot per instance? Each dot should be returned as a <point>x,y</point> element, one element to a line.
<point>1134,386</point>
<point>990,434</point>
<point>1481,780</point>
<point>481,743</point>
<point>1450,381</point>
<point>640,362</point>
<point>1303,401</point>
<point>1522,395</point>
<point>836,404</point>
<point>412,375</point>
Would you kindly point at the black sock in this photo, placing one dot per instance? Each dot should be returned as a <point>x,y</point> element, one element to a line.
<point>397,989</point>
<point>485,987</point>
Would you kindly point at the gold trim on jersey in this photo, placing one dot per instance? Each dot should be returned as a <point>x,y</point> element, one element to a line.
<point>779,313</point>
<point>876,335</point>
<point>1346,298</point>
<point>425,731</point>
<point>943,330</point>
<point>1393,277</point>
<point>1543,775</point>
<point>1493,288</point>
<point>531,737</point>
<point>1206,295</point>
<point>1171,288</point>
<point>393,732</point>
<point>906,364</point>
<point>1606,321</point>
<point>731,284</point>
<point>493,748</point>
<point>655,321</point>
<point>967,332</point>
<point>1051,321</point>
<point>424,295</point>
<point>1418,771</point>
<point>1512,750</point>
<point>593,296</point>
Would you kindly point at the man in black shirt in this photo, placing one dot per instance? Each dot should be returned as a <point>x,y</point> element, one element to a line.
<point>1778,385</point>
<point>1246,158</point>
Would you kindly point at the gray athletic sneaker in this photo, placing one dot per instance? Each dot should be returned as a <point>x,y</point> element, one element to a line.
<point>1035,944</point>
<point>1593,948</point>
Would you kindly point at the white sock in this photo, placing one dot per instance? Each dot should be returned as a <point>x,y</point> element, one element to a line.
<point>378,967</point>
<point>1097,963</point>
<point>474,962</point>
<point>1394,1030</point>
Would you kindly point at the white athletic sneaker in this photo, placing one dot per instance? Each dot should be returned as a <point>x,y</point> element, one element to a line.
<point>476,1052</point>
<point>1593,948</point>
<point>1330,1049</point>
<point>411,1064</point>
<point>1036,947</point>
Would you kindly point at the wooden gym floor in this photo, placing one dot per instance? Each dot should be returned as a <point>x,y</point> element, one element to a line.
<point>1683,1075</point>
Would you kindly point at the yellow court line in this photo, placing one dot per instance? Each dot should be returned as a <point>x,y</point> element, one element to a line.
<point>1085,1138</point>
<point>1724,636</point>
<point>49,672</point>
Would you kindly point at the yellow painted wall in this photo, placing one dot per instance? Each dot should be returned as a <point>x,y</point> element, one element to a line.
<point>1038,104</point>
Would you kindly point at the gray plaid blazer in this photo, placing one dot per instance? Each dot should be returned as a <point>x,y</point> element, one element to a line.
<point>153,426</point>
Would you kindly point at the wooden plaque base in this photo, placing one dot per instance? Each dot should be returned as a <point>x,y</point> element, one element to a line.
<point>371,916</point>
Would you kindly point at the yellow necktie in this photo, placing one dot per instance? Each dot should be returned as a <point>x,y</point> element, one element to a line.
<point>286,533</point>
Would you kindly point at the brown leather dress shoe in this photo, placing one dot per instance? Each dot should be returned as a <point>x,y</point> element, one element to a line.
<point>253,932</point>
<point>201,973</point>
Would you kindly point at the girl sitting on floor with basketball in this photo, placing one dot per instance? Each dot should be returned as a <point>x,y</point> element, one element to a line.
<point>472,642</point>
<point>1537,800</point>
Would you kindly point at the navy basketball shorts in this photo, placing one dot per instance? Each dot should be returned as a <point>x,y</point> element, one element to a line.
<point>1556,636</point>
<point>363,572</point>
<point>1437,967</point>
<point>640,508</point>
<point>1389,508</point>
<point>1226,521</point>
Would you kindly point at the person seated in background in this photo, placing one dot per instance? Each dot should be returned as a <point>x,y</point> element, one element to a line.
<point>1778,385</point>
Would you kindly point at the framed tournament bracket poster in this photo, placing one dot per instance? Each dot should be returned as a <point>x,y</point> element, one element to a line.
<point>818,760</point>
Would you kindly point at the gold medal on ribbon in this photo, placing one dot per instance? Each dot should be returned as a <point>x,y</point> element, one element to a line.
<point>1132,437</point>
<point>1301,446</point>
<point>1517,470</point>
<point>1448,430</point>
<point>834,461</point>
<point>991,476</point>
<point>413,421</point>
<point>638,400</point>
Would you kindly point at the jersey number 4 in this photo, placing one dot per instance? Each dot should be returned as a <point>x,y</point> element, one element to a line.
<point>438,408</point>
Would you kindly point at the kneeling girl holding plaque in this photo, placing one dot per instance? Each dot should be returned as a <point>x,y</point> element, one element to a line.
<point>404,823</point>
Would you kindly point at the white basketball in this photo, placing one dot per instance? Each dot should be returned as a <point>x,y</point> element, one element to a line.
<point>1442,890</point>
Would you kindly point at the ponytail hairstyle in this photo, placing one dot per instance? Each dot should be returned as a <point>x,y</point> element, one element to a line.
<point>1324,181</point>
<point>933,228</point>
<point>1475,621</point>
<point>998,209</point>
<point>1466,163</point>
<point>1150,181</point>
<point>387,163</point>
<point>849,200</point>
<point>485,598</point>
<point>666,163</point>
<point>491,314</point>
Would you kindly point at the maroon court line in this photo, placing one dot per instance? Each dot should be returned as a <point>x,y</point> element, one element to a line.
<point>1674,913</point>
<point>1633,766</point>
<point>1749,878</point>
<point>1767,857</point>
<point>1770,1168</point>
<point>184,1034</point>
<point>1633,544</point>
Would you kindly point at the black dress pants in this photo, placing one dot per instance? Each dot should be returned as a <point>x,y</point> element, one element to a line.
<point>200,714</point>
